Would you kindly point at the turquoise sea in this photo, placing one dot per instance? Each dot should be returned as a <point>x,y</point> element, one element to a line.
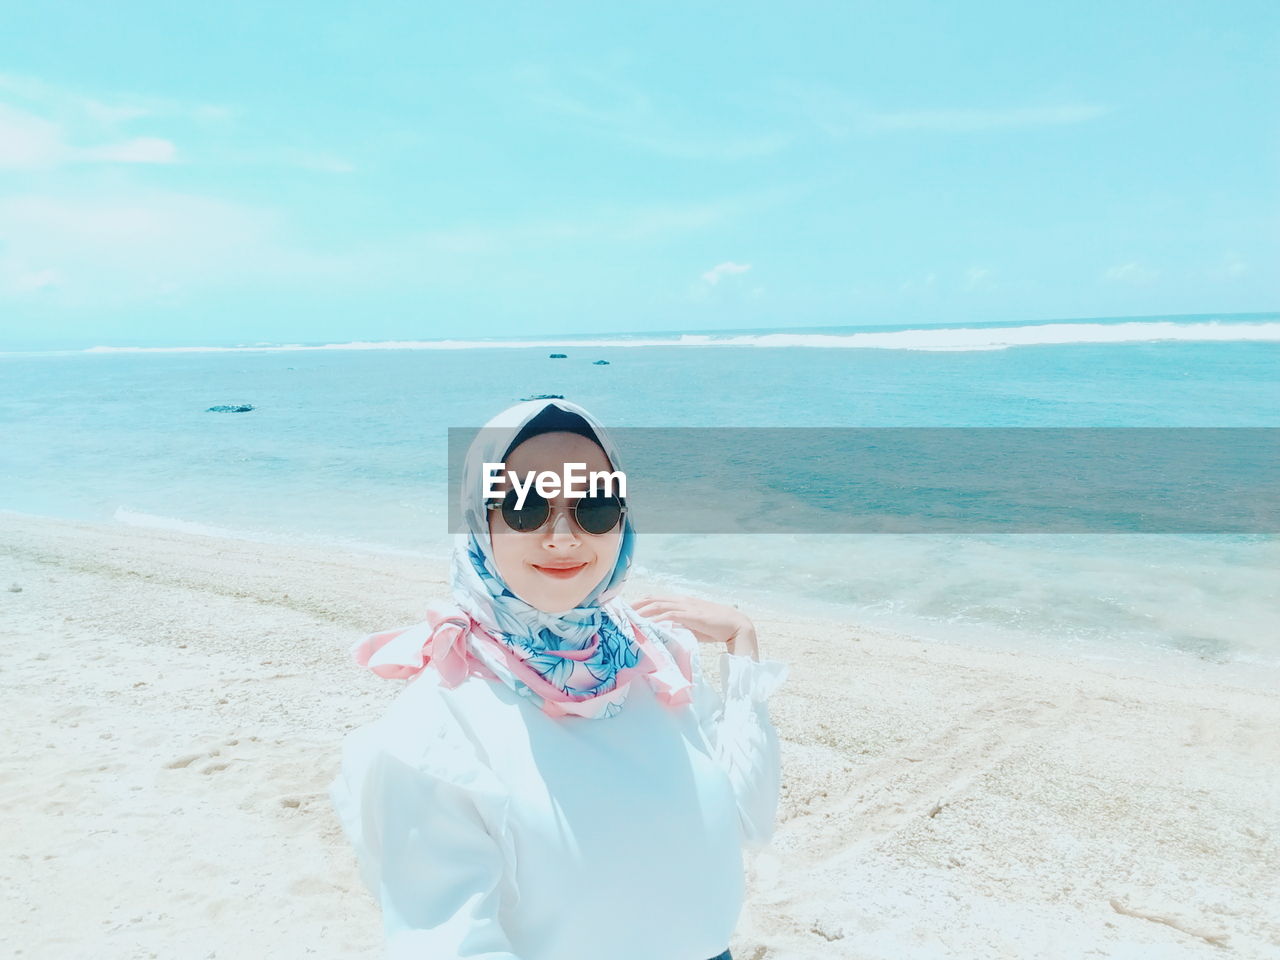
<point>346,444</point>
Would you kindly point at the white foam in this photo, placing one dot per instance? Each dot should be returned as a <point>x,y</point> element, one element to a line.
<point>924,338</point>
<point>137,518</point>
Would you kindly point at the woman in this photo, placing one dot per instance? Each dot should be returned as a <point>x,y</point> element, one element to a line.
<point>558,782</point>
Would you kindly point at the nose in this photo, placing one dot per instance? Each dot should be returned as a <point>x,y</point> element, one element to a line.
<point>562,532</point>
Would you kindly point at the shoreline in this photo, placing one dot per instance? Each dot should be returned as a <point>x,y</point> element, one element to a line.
<point>177,702</point>
<point>1242,669</point>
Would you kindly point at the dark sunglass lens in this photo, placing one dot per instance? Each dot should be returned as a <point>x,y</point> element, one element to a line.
<point>598,514</point>
<point>531,516</point>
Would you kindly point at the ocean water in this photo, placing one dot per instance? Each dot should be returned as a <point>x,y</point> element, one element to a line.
<point>347,445</point>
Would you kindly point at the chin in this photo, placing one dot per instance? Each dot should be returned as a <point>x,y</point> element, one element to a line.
<point>561,603</point>
<point>559,600</point>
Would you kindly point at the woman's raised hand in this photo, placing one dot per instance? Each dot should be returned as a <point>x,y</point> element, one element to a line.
<point>709,622</point>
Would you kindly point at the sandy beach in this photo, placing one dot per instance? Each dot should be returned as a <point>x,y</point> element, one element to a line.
<point>175,704</point>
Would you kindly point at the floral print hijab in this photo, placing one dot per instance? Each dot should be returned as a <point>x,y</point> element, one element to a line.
<point>578,663</point>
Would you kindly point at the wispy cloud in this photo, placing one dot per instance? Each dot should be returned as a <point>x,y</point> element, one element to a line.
<point>137,150</point>
<point>602,105</point>
<point>976,278</point>
<point>1131,273</point>
<point>620,224</point>
<point>926,284</point>
<point>841,115</point>
<point>90,250</point>
<point>322,162</point>
<point>613,225</point>
<point>109,110</point>
<point>87,250</point>
<point>316,161</point>
<point>712,285</point>
<point>1232,266</point>
<point>29,142</point>
<point>726,269</point>
<point>970,121</point>
<point>44,126</point>
<point>22,280</point>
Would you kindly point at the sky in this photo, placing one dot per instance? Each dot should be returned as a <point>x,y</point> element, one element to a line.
<point>245,172</point>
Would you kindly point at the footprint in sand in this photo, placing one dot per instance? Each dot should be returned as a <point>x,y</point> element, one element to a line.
<point>285,778</point>
<point>209,761</point>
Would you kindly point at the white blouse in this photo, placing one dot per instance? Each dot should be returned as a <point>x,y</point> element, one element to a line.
<point>488,829</point>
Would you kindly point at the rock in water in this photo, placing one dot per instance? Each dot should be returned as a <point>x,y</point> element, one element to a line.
<point>545,396</point>
<point>231,408</point>
<point>600,363</point>
<point>557,356</point>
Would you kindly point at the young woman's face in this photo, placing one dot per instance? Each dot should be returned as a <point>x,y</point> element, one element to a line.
<point>554,567</point>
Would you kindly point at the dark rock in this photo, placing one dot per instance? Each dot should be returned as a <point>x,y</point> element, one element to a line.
<point>231,408</point>
<point>600,363</point>
<point>545,396</point>
<point>558,356</point>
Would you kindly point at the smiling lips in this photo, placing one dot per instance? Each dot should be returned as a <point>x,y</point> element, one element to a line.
<point>561,571</point>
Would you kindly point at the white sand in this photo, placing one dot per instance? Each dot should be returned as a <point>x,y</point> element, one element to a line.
<point>174,706</point>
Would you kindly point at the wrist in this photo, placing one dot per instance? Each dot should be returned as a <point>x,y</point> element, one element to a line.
<point>743,643</point>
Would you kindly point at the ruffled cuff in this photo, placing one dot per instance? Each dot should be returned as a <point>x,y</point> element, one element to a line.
<point>744,678</point>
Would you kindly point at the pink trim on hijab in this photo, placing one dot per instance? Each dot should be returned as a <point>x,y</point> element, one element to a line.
<point>404,652</point>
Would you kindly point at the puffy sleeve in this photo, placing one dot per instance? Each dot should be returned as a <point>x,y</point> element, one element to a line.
<point>741,736</point>
<point>428,823</point>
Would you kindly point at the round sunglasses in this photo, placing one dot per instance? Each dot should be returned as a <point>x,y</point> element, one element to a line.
<point>595,514</point>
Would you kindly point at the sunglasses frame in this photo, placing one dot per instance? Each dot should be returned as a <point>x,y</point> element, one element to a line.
<point>551,512</point>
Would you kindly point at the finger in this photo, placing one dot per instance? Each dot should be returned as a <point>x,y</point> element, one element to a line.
<point>658,598</point>
<point>647,600</point>
<point>660,613</point>
<point>668,606</point>
<point>654,604</point>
